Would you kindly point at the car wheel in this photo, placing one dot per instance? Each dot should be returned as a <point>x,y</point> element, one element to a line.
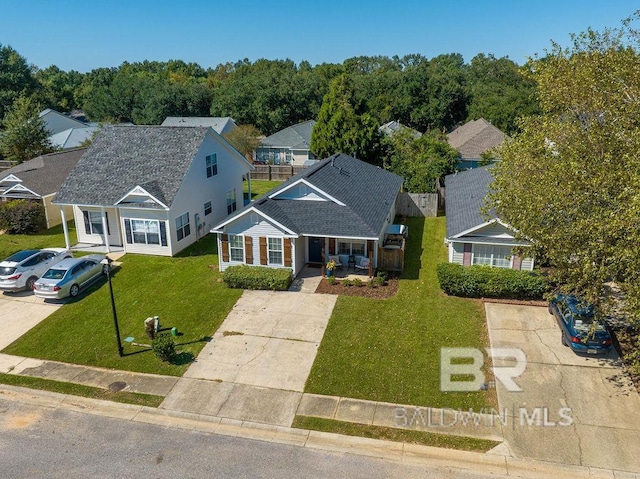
<point>564,341</point>
<point>550,309</point>
<point>30,282</point>
<point>74,290</point>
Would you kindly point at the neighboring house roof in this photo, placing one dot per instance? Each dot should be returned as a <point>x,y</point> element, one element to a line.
<point>123,157</point>
<point>44,174</point>
<point>73,137</point>
<point>296,137</point>
<point>474,138</point>
<point>220,125</point>
<point>394,126</point>
<point>56,122</point>
<point>465,199</point>
<point>361,196</point>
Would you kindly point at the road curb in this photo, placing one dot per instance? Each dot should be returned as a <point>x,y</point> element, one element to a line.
<point>382,449</point>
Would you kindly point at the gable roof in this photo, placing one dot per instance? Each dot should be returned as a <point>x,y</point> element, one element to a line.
<point>45,174</point>
<point>296,137</point>
<point>220,124</point>
<point>394,126</point>
<point>122,157</point>
<point>73,137</point>
<point>366,194</point>
<point>465,192</point>
<point>55,122</point>
<point>474,138</point>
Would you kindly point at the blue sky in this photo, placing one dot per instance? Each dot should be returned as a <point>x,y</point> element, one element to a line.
<point>82,35</point>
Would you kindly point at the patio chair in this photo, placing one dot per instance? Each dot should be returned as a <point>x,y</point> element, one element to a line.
<point>336,260</point>
<point>362,264</point>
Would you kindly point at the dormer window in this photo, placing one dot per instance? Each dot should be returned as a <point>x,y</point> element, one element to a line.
<point>212,165</point>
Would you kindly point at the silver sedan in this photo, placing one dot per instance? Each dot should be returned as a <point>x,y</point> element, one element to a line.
<point>68,277</point>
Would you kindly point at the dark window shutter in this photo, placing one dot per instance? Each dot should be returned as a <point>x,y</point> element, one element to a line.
<point>127,231</point>
<point>224,246</point>
<point>263,250</point>
<point>106,217</point>
<point>332,246</point>
<point>287,252</point>
<point>87,225</point>
<point>163,233</point>
<point>248,249</point>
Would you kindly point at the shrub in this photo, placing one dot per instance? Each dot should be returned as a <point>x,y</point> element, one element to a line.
<point>22,217</point>
<point>487,282</point>
<point>257,277</point>
<point>370,283</point>
<point>164,347</point>
<point>357,282</point>
<point>346,282</point>
<point>381,278</point>
<point>332,280</point>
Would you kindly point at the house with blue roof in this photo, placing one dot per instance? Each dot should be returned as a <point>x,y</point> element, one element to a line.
<point>472,236</point>
<point>340,206</point>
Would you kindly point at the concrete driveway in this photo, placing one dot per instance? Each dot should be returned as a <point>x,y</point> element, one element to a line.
<point>603,406</point>
<point>258,361</point>
<point>19,312</point>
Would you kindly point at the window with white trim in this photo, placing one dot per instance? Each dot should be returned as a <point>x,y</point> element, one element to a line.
<point>183,228</point>
<point>231,201</point>
<point>274,248</point>
<point>145,231</point>
<point>207,208</point>
<point>356,248</point>
<point>492,255</point>
<point>236,248</point>
<point>95,223</point>
<point>212,165</point>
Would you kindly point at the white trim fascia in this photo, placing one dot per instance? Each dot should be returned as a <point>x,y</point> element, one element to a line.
<point>362,238</point>
<point>218,228</point>
<point>225,144</point>
<point>20,187</point>
<point>487,223</point>
<point>313,187</point>
<point>139,190</point>
<point>10,178</point>
<point>493,243</point>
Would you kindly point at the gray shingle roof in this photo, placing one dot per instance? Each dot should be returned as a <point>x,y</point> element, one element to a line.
<point>367,191</point>
<point>295,136</point>
<point>220,124</point>
<point>394,126</point>
<point>45,174</point>
<point>474,138</point>
<point>465,199</point>
<point>122,157</point>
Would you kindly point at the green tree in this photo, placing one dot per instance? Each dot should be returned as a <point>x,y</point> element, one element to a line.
<point>24,136</point>
<point>15,78</point>
<point>57,88</point>
<point>499,91</point>
<point>419,160</point>
<point>340,129</point>
<point>244,138</point>
<point>570,180</point>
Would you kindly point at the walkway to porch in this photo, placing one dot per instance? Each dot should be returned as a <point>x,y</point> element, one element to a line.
<point>309,277</point>
<point>115,252</point>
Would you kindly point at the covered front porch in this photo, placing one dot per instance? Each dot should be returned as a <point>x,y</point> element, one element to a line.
<point>356,255</point>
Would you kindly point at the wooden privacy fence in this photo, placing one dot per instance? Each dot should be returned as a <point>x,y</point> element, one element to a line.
<point>417,204</point>
<point>275,172</point>
<point>391,259</point>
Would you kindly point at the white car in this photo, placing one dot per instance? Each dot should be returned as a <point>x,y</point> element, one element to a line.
<point>21,270</point>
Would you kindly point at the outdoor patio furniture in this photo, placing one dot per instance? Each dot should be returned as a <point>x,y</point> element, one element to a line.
<point>336,260</point>
<point>362,264</point>
<point>351,262</point>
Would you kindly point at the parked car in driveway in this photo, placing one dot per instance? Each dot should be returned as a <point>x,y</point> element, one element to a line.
<point>69,276</point>
<point>21,270</point>
<point>576,320</point>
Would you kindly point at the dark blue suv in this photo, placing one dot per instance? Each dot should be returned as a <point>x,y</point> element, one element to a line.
<point>576,322</point>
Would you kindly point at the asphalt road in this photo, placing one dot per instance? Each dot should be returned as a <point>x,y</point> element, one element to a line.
<point>37,442</point>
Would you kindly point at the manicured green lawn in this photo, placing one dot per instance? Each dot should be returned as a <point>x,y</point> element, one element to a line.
<point>389,350</point>
<point>183,291</point>
<point>259,187</point>
<point>51,238</point>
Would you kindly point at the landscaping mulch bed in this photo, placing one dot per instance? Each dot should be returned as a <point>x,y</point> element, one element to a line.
<point>377,292</point>
<point>625,341</point>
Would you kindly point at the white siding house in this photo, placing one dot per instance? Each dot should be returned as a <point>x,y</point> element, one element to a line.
<point>472,238</point>
<point>153,190</point>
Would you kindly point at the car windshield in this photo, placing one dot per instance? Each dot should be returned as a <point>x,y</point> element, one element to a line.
<point>21,255</point>
<point>54,274</point>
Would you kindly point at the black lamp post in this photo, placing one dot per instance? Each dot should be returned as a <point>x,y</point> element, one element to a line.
<point>107,263</point>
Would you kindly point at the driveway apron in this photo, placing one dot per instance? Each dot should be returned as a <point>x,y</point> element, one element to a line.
<point>593,391</point>
<point>256,365</point>
<point>19,313</point>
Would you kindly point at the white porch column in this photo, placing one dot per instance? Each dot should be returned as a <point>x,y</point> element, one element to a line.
<point>105,230</point>
<point>65,228</point>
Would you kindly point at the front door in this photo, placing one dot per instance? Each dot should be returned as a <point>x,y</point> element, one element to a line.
<point>315,249</point>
